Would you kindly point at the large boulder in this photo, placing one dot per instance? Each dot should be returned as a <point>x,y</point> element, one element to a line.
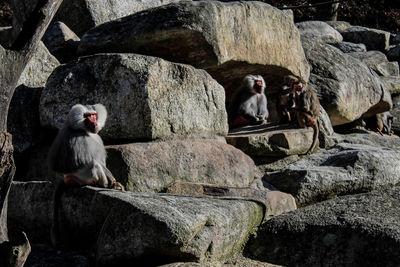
<point>358,230</point>
<point>146,97</point>
<point>153,166</point>
<point>346,87</point>
<point>374,39</point>
<point>342,170</point>
<point>340,26</point>
<point>39,68</point>
<point>81,15</point>
<point>128,228</point>
<point>229,40</point>
<point>319,31</point>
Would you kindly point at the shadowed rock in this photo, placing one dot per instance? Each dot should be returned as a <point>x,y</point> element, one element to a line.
<point>374,39</point>
<point>127,228</point>
<point>358,230</point>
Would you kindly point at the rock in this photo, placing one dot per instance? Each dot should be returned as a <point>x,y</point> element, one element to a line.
<point>23,120</point>
<point>128,228</point>
<point>61,41</point>
<point>32,163</point>
<point>319,31</point>
<point>394,53</point>
<point>345,86</point>
<point>340,26</point>
<point>30,209</point>
<point>395,39</point>
<point>43,255</point>
<point>146,97</point>
<point>377,61</point>
<point>20,249</point>
<point>236,262</point>
<point>343,170</point>
<point>271,140</point>
<point>347,47</point>
<point>228,40</point>
<point>358,230</point>
<point>396,114</point>
<point>81,15</point>
<point>392,84</point>
<point>153,166</point>
<point>5,39</point>
<point>275,202</point>
<point>369,139</point>
<point>373,39</point>
<point>39,68</point>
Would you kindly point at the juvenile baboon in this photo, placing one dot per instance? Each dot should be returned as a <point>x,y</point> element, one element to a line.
<point>250,104</point>
<point>381,122</point>
<point>286,99</point>
<point>307,108</point>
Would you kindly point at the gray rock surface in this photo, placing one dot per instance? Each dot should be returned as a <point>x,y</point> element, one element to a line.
<point>345,169</point>
<point>39,68</point>
<point>394,53</point>
<point>318,31</point>
<point>127,228</point>
<point>358,230</point>
<point>23,120</point>
<point>81,15</point>
<point>391,83</point>
<point>271,140</point>
<point>146,97</point>
<point>228,40</point>
<point>396,114</point>
<point>374,39</point>
<point>345,86</point>
<point>30,209</point>
<point>347,47</point>
<point>153,166</point>
<point>340,26</point>
<point>61,41</point>
<point>372,139</point>
<point>378,61</point>
<point>275,202</point>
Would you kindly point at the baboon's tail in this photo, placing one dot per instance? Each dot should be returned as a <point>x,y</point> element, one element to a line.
<point>315,137</point>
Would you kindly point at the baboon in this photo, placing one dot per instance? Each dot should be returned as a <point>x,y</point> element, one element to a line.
<point>79,155</point>
<point>307,106</point>
<point>286,99</point>
<point>250,104</point>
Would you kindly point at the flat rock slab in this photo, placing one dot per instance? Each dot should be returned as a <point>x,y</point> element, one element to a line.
<point>271,140</point>
<point>374,39</point>
<point>146,97</point>
<point>228,40</point>
<point>358,230</point>
<point>275,202</point>
<point>345,169</point>
<point>153,166</point>
<point>127,228</point>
